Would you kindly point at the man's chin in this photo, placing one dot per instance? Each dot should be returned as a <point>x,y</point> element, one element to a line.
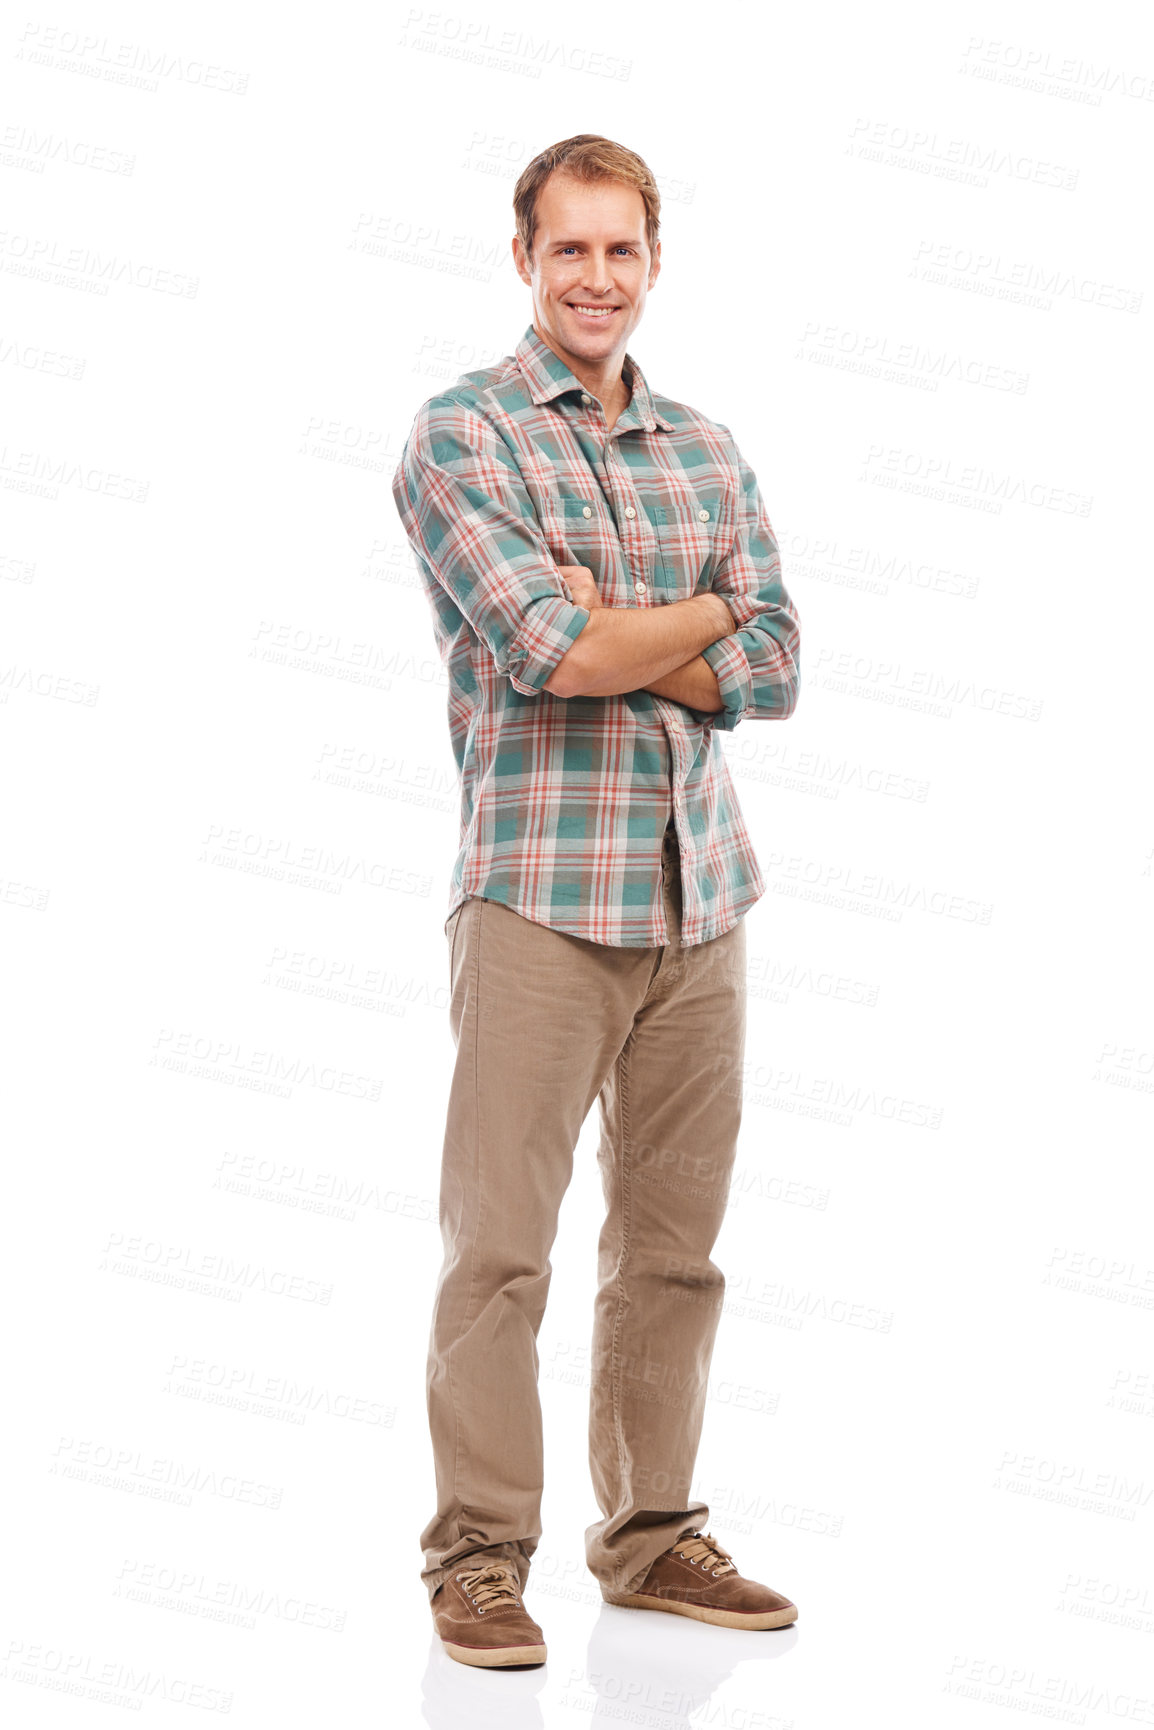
<point>588,340</point>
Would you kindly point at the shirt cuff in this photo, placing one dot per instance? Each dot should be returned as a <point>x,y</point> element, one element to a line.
<point>731,670</point>
<point>547,632</point>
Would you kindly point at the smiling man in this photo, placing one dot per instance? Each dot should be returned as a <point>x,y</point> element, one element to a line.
<point>607,598</point>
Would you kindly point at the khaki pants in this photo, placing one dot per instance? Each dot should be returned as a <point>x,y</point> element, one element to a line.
<point>544,1023</point>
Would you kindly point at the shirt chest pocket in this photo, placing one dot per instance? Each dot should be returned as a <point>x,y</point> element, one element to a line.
<point>578,529</point>
<point>694,532</point>
<point>575,519</point>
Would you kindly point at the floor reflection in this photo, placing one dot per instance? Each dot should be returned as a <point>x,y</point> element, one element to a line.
<point>640,1667</point>
<point>650,1666</point>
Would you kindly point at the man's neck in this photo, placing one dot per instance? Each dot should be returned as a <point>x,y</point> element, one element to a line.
<point>609,384</point>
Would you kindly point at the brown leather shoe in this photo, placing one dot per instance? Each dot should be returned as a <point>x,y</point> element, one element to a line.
<point>481,1620</point>
<point>698,1578</point>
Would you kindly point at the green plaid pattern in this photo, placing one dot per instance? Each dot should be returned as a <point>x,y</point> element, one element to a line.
<point>564,801</point>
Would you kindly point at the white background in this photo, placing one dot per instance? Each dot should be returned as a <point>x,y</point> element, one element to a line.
<point>905,259</point>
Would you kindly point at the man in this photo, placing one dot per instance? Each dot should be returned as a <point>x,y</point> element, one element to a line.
<point>607,598</point>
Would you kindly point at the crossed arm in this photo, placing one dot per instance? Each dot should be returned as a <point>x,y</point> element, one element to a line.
<point>730,652</point>
<point>694,684</point>
<point>627,649</point>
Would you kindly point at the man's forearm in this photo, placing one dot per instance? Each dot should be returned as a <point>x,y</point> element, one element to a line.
<point>628,648</point>
<point>694,684</point>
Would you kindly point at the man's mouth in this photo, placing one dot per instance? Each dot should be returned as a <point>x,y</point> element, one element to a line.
<point>592,313</point>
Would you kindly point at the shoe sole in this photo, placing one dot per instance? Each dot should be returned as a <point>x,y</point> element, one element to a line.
<point>700,1613</point>
<point>494,1657</point>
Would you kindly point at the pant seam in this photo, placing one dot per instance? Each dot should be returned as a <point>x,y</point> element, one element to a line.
<point>474,984</point>
<point>622,1298</point>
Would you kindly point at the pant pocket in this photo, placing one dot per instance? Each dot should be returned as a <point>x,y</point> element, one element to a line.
<point>451,935</point>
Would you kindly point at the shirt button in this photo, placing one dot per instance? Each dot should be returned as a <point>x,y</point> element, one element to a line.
<point>640,587</point>
<point>629,511</point>
<point>585,511</point>
<point>704,516</point>
<point>586,398</point>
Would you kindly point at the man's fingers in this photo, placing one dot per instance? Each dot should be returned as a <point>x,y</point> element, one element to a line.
<point>580,585</point>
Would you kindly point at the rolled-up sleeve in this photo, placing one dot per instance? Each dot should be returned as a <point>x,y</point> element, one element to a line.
<point>471,521</point>
<point>758,668</point>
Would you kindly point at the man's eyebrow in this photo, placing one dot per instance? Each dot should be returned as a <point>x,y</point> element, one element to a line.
<point>633,240</point>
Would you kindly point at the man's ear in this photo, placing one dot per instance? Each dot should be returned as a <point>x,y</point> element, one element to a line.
<point>655,266</point>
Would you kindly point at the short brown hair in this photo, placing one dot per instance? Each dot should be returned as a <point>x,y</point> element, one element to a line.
<point>587,157</point>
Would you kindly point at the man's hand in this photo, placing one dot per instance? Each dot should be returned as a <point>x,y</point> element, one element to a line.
<point>582,588</point>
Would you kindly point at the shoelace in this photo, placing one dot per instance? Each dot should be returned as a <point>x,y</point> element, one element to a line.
<point>494,1583</point>
<point>706,1550</point>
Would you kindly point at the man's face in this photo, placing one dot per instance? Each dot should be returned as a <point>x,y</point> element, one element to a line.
<point>589,250</point>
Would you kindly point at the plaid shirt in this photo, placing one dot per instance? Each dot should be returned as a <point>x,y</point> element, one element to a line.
<point>564,801</point>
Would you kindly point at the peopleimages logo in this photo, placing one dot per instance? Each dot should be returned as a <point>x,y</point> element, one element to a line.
<point>1069,77</point>
<point>1018,280</point>
<point>953,158</point>
<point>475,39</point>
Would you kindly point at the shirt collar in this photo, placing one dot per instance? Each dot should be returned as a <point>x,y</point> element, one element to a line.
<point>547,376</point>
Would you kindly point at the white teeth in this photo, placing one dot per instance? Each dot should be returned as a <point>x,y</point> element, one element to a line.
<point>595,311</point>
